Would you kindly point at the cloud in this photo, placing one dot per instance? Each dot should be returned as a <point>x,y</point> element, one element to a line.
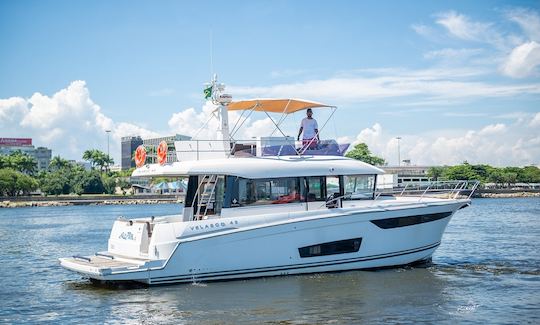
<point>68,122</point>
<point>451,54</point>
<point>496,144</point>
<point>463,27</point>
<point>429,85</point>
<point>422,30</point>
<point>523,60</point>
<point>517,55</point>
<point>528,20</point>
<point>535,122</point>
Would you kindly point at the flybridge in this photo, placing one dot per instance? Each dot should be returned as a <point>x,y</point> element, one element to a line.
<point>226,145</point>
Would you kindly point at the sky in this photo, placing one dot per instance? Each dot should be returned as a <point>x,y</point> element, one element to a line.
<point>455,80</point>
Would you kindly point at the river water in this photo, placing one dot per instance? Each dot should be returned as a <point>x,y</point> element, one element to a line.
<point>486,271</point>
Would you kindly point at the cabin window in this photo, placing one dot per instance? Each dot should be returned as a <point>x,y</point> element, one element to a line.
<point>315,189</point>
<point>331,248</point>
<point>358,187</point>
<point>332,186</point>
<point>269,191</point>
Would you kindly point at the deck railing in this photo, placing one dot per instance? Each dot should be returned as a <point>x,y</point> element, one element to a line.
<point>202,149</point>
<point>440,189</point>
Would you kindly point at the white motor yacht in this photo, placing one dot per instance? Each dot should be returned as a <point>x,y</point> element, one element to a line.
<point>255,214</point>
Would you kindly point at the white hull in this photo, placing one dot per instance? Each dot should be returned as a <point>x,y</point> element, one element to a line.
<point>268,245</point>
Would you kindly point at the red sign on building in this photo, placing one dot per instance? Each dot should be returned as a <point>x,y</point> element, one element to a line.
<point>15,142</point>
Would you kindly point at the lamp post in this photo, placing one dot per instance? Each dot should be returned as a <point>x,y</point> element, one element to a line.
<point>398,152</point>
<point>108,156</point>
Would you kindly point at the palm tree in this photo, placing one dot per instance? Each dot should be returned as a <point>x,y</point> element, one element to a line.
<point>97,158</point>
<point>58,163</point>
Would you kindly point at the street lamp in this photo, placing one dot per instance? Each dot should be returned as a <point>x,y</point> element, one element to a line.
<point>108,156</point>
<point>398,152</point>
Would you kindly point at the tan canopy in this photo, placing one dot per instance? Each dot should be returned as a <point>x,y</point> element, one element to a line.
<point>286,106</point>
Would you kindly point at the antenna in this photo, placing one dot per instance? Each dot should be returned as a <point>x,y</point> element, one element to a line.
<point>211,54</point>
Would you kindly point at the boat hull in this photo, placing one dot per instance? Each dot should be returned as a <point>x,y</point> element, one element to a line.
<point>273,248</point>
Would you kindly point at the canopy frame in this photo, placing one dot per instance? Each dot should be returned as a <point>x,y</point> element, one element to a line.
<point>284,113</point>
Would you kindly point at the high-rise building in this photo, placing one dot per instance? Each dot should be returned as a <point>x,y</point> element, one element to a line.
<point>42,155</point>
<point>129,145</point>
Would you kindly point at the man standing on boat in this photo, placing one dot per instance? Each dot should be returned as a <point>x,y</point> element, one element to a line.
<point>310,131</point>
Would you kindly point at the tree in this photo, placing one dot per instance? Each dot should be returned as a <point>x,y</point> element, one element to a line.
<point>58,163</point>
<point>461,172</point>
<point>436,172</point>
<point>361,152</point>
<point>56,183</point>
<point>98,158</point>
<point>89,182</point>
<point>13,183</point>
<point>19,161</point>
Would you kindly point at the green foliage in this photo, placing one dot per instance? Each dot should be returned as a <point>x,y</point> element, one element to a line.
<point>361,152</point>
<point>19,161</point>
<point>13,183</point>
<point>487,174</point>
<point>109,184</point>
<point>98,158</point>
<point>436,172</point>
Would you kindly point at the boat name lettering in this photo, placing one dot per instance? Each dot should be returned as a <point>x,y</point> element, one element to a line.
<point>127,236</point>
<point>214,225</point>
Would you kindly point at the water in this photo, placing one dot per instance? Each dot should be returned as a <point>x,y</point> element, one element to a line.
<point>487,270</point>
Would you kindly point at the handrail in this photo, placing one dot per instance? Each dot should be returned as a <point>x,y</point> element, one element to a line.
<point>451,188</point>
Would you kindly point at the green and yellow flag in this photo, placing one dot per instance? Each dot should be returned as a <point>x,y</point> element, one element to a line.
<point>208,92</point>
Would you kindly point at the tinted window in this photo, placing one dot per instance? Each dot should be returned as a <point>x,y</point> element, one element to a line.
<point>409,221</point>
<point>331,248</point>
<point>316,189</point>
<point>269,191</point>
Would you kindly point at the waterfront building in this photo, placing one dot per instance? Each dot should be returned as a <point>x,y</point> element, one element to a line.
<point>408,174</point>
<point>152,144</point>
<point>42,155</point>
<point>129,145</point>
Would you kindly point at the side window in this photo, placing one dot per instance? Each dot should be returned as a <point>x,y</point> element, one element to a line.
<point>316,189</point>
<point>358,187</point>
<point>331,248</point>
<point>332,186</point>
<point>269,191</point>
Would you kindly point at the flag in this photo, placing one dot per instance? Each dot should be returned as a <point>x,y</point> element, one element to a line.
<point>208,92</point>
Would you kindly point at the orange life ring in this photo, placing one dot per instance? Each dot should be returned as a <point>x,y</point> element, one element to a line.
<point>140,156</point>
<point>162,152</point>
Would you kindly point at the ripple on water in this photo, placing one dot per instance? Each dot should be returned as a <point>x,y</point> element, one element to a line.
<point>487,270</point>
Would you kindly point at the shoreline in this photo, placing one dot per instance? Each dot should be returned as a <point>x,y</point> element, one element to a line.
<point>50,201</point>
<point>42,201</point>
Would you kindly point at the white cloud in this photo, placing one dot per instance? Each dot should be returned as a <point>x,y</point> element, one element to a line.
<point>496,144</point>
<point>528,20</point>
<point>463,27</point>
<point>68,122</point>
<point>536,120</point>
<point>451,54</point>
<point>493,129</point>
<point>430,84</point>
<point>523,60</point>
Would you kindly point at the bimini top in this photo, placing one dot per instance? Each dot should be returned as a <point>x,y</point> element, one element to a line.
<point>286,105</point>
<point>262,167</point>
